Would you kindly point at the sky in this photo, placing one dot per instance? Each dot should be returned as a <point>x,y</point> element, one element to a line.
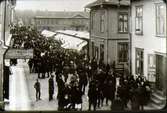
<point>52,5</point>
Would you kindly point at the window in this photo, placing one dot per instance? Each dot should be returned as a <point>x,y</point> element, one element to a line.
<point>139,61</point>
<point>102,22</point>
<point>96,52</point>
<point>139,20</point>
<point>123,52</point>
<point>123,23</point>
<point>151,67</point>
<point>160,19</point>
<point>151,61</point>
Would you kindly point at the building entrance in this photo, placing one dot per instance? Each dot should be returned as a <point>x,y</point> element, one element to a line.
<point>160,72</point>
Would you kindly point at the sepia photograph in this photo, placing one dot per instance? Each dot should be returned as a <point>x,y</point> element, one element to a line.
<point>83,55</point>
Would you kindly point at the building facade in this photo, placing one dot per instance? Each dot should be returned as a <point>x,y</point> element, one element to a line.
<point>149,40</point>
<point>53,21</point>
<point>6,18</point>
<point>109,31</point>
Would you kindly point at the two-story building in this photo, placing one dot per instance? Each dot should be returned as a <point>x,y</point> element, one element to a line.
<point>148,39</point>
<point>109,31</point>
<point>53,21</point>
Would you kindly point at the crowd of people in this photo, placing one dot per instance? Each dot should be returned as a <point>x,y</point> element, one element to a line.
<point>74,72</point>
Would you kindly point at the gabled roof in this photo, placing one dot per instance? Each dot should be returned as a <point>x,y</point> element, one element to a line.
<point>62,14</point>
<point>109,2</point>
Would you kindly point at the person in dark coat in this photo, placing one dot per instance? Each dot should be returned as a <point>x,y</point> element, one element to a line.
<point>94,64</point>
<point>92,94</point>
<point>30,64</point>
<point>38,67</point>
<point>110,85</point>
<point>51,87</point>
<point>37,87</point>
<point>83,80</point>
<point>60,85</point>
<point>135,99</point>
<point>75,95</point>
<point>63,99</point>
<point>117,104</point>
<point>43,67</point>
<point>7,72</point>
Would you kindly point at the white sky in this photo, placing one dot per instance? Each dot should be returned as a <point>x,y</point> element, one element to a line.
<point>53,5</point>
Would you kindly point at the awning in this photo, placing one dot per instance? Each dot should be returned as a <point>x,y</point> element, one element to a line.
<point>70,42</point>
<point>70,39</point>
<point>80,34</point>
<point>47,33</point>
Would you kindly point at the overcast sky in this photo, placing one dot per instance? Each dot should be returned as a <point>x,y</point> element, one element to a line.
<point>53,5</point>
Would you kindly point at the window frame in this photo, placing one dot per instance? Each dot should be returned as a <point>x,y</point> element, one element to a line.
<point>118,51</point>
<point>139,18</point>
<point>139,59</point>
<point>151,68</point>
<point>123,14</point>
<point>158,27</point>
<point>96,52</point>
<point>102,21</point>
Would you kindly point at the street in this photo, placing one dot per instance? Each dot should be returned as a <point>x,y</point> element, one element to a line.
<point>22,92</point>
<point>19,95</point>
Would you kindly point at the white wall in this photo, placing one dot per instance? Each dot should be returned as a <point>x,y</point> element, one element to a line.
<point>148,41</point>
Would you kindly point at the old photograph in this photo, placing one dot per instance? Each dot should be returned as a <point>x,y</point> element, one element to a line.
<point>83,55</point>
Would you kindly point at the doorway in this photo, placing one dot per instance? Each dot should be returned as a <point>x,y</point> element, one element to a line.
<point>160,72</point>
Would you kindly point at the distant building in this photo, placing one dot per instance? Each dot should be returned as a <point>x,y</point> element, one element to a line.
<point>149,41</point>
<point>109,31</point>
<point>53,21</point>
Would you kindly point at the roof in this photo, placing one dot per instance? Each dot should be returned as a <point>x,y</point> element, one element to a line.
<point>71,39</point>
<point>62,14</point>
<point>80,34</point>
<point>70,42</point>
<point>47,33</point>
<point>109,2</point>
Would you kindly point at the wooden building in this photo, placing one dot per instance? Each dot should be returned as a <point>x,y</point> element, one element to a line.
<point>109,31</point>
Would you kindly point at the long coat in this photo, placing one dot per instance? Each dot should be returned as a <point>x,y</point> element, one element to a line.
<point>51,86</point>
